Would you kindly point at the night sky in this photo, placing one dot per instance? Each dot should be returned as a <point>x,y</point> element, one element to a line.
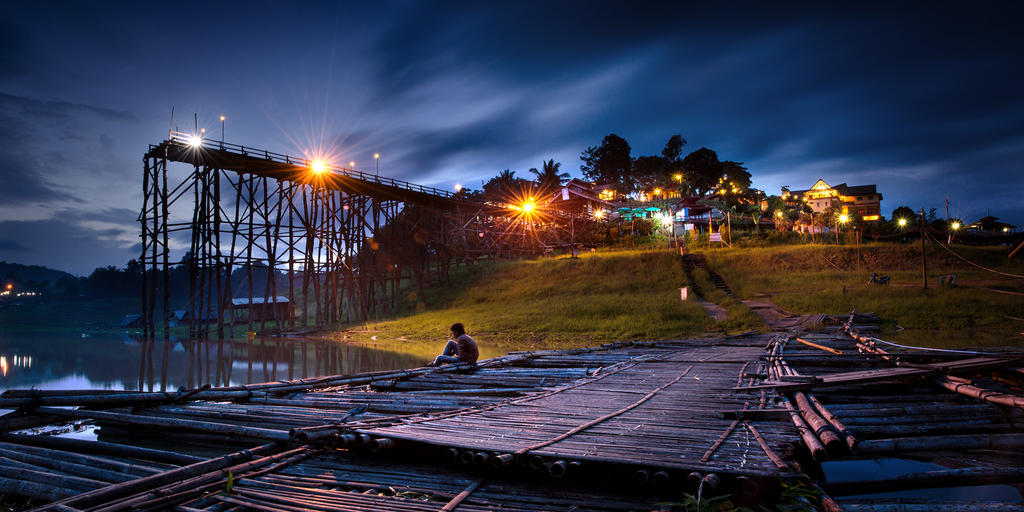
<point>923,100</point>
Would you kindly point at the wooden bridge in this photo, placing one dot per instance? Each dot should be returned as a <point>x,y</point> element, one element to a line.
<point>623,426</point>
<point>342,244</point>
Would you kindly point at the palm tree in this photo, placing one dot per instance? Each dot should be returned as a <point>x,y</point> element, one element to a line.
<point>550,178</point>
<point>507,178</point>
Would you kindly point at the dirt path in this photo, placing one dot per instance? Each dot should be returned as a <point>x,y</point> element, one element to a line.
<point>778,318</point>
<point>715,311</point>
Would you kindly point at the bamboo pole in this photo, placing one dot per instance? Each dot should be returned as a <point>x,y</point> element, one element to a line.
<point>987,395</point>
<point>830,350</point>
<point>845,433</point>
<point>929,479</point>
<point>1005,442</point>
<point>113,492</point>
<point>36,490</point>
<point>813,444</point>
<point>822,429</point>
<point>170,423</point>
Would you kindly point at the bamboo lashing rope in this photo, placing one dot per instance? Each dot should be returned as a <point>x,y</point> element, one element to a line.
<point>474,410</point>
<point>764,446</point>
<point>462,496</point>
<point>604,418</point>
<point>721,439</point>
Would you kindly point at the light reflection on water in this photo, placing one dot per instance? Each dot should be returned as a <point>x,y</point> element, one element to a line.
<point>123,362</point>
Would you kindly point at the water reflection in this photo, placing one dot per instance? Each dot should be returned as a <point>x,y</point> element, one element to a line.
<point>66,361</point>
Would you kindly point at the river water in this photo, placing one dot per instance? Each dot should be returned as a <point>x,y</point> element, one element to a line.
<point>123,362</point>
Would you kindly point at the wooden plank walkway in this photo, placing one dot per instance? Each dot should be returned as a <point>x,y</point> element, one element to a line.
<point>882,374</point>
<point>663,410</point>
<point>627,424</point>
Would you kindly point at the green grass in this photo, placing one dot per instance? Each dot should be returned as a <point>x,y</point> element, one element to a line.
<point>558,302</point>
<point>739,317</point>
<point>826,279</point>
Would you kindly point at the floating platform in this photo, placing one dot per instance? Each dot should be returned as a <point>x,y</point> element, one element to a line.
<point>623,426</point>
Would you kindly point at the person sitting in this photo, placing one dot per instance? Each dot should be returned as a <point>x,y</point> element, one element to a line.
<point>460,349</point>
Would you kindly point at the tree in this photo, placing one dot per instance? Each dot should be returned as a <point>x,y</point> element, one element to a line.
<point>609,163</point>
<point>550,178</point>
<point>673,148</point>
<point>736,174</point>
<point>672,154</point>
<point>702,170</point>
<point>904,213</point>
<point>649,173</point>
<point>507,177</point>
<point>755,211</point>
<point>505,186</point>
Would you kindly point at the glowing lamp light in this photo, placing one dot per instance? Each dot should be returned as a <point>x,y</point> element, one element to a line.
<point>9,286</point>
<point>955,225</point>
<point>480,234</point>
<point>318,166</point>
<point>352,165</point>
<point>599,214</point>
<point>678,177</point>
<point>657,191</point>
<point>458,187</point>
<point>528,207</point>
<point>195,141</point>
<point>222,119</point>
<point>844,218</point>
<point>778,213</point>
<point>376,155</point>
<point>902,222</point>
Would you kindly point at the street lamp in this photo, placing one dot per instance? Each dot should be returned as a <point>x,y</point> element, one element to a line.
<point>222,128</point>
<point>376,156</point>
<point>842,219</point>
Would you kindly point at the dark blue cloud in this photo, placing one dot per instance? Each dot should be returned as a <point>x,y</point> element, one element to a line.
<point>923,99</point>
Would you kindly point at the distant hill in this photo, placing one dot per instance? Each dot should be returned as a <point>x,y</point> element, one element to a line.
<point>26,273</point>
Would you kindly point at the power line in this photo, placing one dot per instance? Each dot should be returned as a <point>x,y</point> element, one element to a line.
<point>944,246</point>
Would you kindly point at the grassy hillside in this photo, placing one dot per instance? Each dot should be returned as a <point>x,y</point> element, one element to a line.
<point>597,298</point>
<point>832,279</point>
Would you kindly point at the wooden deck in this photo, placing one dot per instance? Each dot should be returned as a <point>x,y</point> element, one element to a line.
<point>663,408</point>
<point>618,427</point>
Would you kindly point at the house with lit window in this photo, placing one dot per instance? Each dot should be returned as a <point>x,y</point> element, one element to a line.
<point>580,197</point>
<point>862,201</point>
<point>991,225</point>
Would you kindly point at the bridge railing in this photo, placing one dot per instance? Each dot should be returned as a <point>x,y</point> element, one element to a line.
<point>189,141</point>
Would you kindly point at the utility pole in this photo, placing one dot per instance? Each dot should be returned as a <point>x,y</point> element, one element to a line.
<point>950,239</point>
<point>924,261</point>
<point>856,234</point>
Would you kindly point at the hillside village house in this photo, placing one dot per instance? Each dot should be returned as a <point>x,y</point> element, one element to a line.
<point>581,198</point>
<point>991,225</point>
<point>862,201</point>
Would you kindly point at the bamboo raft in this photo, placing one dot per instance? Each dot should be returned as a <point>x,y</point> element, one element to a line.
<point>855,397</point>
<point>617,427</point>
